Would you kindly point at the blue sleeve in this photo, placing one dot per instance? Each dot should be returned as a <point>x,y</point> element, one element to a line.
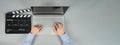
<point>66,40</point>
<point>28,40</point>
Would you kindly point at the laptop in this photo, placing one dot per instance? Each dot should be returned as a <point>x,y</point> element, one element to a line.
<point>48,16</point>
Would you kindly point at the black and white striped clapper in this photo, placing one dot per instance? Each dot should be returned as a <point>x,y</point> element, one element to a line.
<point>16,22</point>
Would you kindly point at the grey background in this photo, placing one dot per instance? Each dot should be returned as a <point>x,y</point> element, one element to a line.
<point>88,22</point>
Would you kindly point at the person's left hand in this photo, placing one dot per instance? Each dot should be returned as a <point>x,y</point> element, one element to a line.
<point>36,29</point>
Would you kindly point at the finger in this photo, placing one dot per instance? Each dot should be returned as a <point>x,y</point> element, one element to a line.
<point>54,30</point>
<point>56,26</point>
<point>40,28</point>
<point>59,24</point>
<point>36,25</point>
<point>62,26</point>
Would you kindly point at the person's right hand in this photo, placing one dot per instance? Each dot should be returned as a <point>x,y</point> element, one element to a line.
<point>59,28</point>
<point>36,29</point>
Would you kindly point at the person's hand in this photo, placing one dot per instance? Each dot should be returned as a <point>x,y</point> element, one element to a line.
<point>59,28</point>
<point>36,29</point>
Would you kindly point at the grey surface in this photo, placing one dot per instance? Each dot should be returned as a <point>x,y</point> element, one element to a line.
<point>88,22</point>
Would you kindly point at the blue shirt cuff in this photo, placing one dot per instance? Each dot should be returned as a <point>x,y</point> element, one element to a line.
<point>65,38</point>
<point>30,36</point>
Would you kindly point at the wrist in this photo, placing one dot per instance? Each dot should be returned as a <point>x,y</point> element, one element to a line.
<point>33,33</point>
<point>61,34</point>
